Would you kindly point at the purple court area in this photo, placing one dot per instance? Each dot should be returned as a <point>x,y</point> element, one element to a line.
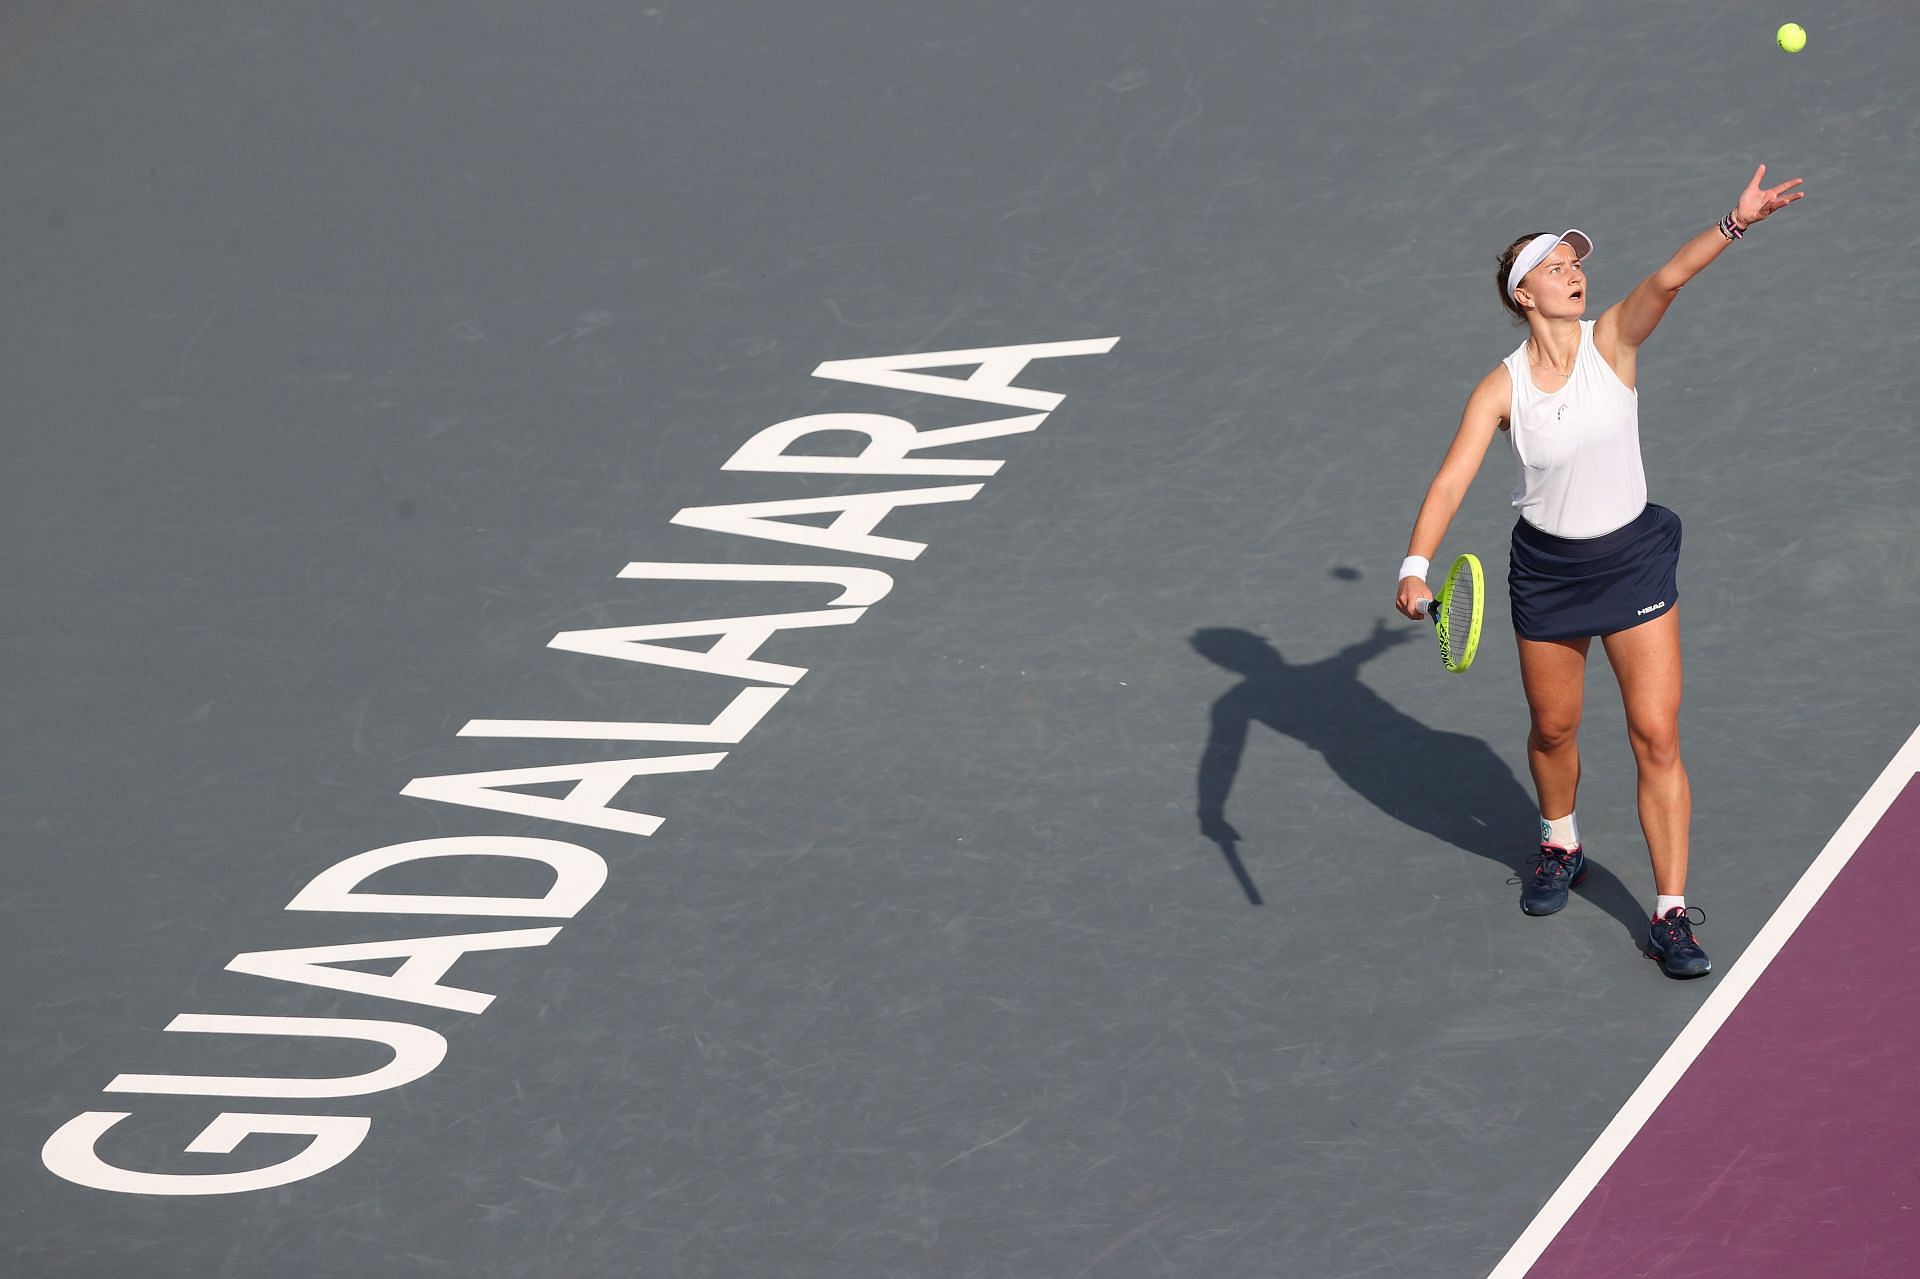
<point>1791,1147</point>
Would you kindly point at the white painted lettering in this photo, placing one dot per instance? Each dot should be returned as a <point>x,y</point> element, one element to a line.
<point>858,586</point>
<point>748,707</point>
<point>851,531</point>
<point>417,981</point>
<point>991,381</point>
<point>416,1051</point>
<point>588,803</point>
<point>584,793</point>
<point>741,638</point>
<point>889,440</point>
<point>578,874</point>
<point>70,1153</point>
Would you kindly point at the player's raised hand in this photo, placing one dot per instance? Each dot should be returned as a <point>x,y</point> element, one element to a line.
<point>1757,202</point>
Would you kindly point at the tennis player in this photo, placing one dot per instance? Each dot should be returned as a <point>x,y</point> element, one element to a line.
<point>1590,555</point>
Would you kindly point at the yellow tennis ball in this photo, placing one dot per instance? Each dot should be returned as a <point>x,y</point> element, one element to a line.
<point>1792,37</point>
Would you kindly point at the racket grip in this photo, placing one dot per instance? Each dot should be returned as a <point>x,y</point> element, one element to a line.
<point>1427,607</point>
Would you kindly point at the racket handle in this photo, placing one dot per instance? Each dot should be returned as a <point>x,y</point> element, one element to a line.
<point>1428,607</point>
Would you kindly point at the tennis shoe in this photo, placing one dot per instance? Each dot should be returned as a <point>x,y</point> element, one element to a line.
<point>1555,870</point>
<point>1670,940</point>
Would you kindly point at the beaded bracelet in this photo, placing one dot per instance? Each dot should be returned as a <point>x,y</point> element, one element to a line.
<point>1731,229</point>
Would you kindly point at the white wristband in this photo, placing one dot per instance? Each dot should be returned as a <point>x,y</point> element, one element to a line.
<point>1415,566</point>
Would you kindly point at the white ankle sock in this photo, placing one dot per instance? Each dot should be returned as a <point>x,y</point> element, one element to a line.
<point>1564,831</point>
<point>1661,905</point>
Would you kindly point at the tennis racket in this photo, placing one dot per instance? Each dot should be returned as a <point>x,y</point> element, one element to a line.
<point>1456,614</point>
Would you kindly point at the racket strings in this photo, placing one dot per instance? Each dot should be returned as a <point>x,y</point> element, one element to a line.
<point>1460,609</point>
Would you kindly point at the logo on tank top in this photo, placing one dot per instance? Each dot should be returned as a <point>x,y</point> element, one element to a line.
<point>1561,415</point>
<point>1651,608</point>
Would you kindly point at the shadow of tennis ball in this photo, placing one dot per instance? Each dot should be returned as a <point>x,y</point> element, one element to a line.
<point>1345,574</point>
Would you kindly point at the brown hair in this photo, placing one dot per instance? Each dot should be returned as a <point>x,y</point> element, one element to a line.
<point>1518,312</point>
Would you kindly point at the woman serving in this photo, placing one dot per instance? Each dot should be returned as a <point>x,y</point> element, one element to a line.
<point>1590,555</point>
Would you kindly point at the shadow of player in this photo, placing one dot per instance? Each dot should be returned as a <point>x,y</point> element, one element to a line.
<point>1447,785</point>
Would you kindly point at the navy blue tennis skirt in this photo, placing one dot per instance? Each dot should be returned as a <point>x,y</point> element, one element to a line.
<point>1575,587</point>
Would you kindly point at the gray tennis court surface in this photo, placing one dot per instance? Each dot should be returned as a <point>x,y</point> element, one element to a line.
<point>351,353</point>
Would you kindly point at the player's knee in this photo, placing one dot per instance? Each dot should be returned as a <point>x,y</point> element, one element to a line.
<point>1657,748</point>
<point>1552,733</point>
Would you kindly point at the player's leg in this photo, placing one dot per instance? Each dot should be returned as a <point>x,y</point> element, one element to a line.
<point>1553,672</point>
<point>1646,660</point>
<point>1554,675</point>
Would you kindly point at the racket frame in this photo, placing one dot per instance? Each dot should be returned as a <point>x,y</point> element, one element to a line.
<point>1455,657</point>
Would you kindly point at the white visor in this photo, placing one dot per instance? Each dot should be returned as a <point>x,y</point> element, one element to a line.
<point>1536,252</point>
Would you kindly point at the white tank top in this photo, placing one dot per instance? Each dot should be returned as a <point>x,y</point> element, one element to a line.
<point>1578,448</point>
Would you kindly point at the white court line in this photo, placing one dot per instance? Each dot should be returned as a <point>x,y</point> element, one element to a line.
<point>1719,1005</point>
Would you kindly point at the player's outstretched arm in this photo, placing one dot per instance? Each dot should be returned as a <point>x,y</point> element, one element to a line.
<point>1630,321</point>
